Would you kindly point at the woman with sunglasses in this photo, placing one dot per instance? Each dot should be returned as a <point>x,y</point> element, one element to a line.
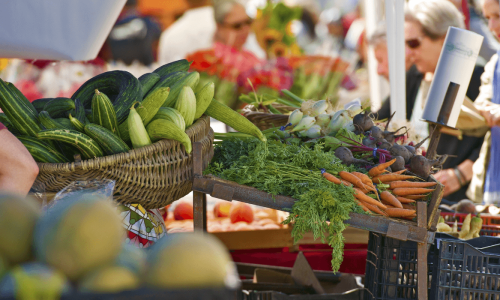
<point>426,25</point>
<point>485,183</point>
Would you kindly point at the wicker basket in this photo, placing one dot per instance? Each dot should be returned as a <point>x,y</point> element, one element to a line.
<point>266,120</point>
<point>153,176</point>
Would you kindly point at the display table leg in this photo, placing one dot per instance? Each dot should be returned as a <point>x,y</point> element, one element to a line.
<point>199,199</point>
<point>422,253</point>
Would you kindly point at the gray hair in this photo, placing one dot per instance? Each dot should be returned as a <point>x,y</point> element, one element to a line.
<point>435,16</point>
<point>222,8</point>
<point>379,35</point>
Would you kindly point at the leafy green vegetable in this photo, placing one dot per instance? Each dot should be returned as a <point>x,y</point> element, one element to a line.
<point>292,170</point>
<point>349,137</point>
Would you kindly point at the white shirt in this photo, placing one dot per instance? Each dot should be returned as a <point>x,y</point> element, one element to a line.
<point>192,32</point>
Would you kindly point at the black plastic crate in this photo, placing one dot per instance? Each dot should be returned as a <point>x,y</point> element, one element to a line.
<point>391,268</point>
<point>356,294</point>
<point>464,272</point>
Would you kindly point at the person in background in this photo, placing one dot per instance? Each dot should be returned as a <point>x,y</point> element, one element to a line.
<point>18,169</point>
<point>426,25</point>
<point>133,38</point>
<point>379,42</point>
<point>226,22</point>
<point>478,25</point>
<point>485,183</point>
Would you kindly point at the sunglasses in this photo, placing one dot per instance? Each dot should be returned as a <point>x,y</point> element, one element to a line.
<point>414,43</point>
<point>239,25</point>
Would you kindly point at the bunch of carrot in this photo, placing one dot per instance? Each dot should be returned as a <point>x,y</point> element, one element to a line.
<point>397,201</point>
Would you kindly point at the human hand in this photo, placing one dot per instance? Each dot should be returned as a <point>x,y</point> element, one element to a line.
<point>491,113</point>
<point>449,180</point>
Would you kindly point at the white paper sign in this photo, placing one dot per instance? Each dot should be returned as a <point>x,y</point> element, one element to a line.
<point>456,64</point>
<point>56,29</point>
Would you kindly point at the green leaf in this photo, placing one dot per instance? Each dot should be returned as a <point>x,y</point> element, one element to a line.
<point>349,137</point>
<point>333,143</point>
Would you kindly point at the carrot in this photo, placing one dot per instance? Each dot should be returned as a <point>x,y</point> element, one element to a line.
<point>377,170</point>
<point>374,209</point>
<point>362,206</point>
<point>405,200</point>
<point>402,184</point>
<point>399,212</point>
<point>399,172</point>
<point>363,177</point>
<point>390,199</point>
<point>410,191</point>
<point>415,197</point>
<point>352,179</point>
<point>345,182</point>
<point>331,178</point>
<point>391,177</point>
<point>410,207</point>
<point>363,197</point>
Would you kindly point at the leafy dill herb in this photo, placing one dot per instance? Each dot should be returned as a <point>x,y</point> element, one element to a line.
<point>293,170</point>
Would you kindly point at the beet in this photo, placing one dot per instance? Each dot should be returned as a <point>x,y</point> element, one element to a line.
<point>413,149</point>
<point>384,144</point>
<point>398,150</point>
<point>422,166</point>
<point>363,121</point>
<point>369,142</point>
<point>345,155</point>
<point>376,132</point>
<point>399,164</point>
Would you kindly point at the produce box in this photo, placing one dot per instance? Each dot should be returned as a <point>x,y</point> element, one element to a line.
<point>490,227</point>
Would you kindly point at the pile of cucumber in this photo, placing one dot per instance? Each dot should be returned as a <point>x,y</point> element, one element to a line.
<point>114,112</point>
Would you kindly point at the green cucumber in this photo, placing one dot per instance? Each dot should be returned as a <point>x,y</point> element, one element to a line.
<point>147,81</point>
<point>47,122</point>
<point>79,111</point>
<point>86,145</point>
<point>191,80</point>
<point>175,66</point>
<point>77,124</point>
<point>172,115</point>
<point>41,151</point>
<point>121,87</point>
<point>110,143</point>
<point>39,104</point>
<point>22,99</point>
<point>66,123</point>
<point>186,104</point>
<point>146,110</point>
<point>59,107</point>
<point>103,112</point>
<point>19,115</point>
<point>228,116</point>
<point>164,129</point>
<point>203,99</point>
<point>167,81</point>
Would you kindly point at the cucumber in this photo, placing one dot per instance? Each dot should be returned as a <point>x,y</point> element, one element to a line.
<point>5,121</point>
<point>147,110</point>
<point>191,80</point>
<point>49,123</point>
<point>138,133</point>
<point>203,98</point>
<point>163,129</point>
<point>103,112</point>
<point>19,115</point>
<point>228,116</point>
<point>175,66</point>
<point>77,124</point>
<point>22,99</point>
<point>39,104</point>
<point>59,107</point>
<point>87,146</point>
<point>110,143</point>
<point>66,123</point>
<point>186,104</point>
<point>41,151</point>
<point>167,81</point>
<point>172,115</point>
<point>79,111</point>
<point>121,86</point>
<point>147,81</point>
